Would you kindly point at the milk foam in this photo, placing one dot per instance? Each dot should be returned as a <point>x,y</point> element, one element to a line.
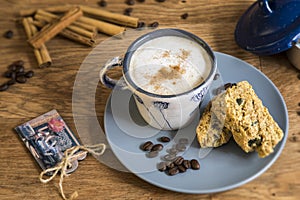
<point>169,65</point>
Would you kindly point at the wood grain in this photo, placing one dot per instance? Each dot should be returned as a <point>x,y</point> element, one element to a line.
<point>52,88</point>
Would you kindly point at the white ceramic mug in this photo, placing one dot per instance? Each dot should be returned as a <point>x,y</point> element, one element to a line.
<point>162,69</point>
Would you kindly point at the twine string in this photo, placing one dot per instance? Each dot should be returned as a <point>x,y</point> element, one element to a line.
<point>69,156</point>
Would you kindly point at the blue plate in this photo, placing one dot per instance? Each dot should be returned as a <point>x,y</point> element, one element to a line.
<point>222,168</point>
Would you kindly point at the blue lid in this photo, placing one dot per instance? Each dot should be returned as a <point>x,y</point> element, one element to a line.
<point>269,26</point>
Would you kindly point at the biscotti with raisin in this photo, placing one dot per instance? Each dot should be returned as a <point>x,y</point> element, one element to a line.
<point>252,126</point>
<point>211,131</point>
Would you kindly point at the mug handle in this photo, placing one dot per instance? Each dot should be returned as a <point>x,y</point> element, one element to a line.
<point>109,82</point>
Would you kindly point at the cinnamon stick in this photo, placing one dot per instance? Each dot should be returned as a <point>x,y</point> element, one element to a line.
<point>102,14</point>
<point>103,27</point>
<point>53,29</point>
<point>111,17</point>
<point>77,27</point>
<point>42,55</point>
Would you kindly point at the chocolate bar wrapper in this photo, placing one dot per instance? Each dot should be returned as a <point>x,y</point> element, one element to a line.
<point>47,137</point>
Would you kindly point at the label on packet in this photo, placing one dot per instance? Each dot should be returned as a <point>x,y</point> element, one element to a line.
<point>47,137</point>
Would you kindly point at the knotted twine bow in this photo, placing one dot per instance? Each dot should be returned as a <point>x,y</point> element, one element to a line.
<point>69,156</point>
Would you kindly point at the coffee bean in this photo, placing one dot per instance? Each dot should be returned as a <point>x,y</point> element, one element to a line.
<point>152,154</point>
<point>172,151</point>
<point>164,139</point>
<point>20,68</point>
<point>162,166</point>
<point>20,74</point>
<point>186,164</point>
<point>141,24</point>
<point>183,1</point>
<point>147,146</point>
<point>299,104</point>
<point>102,3</point>
<point>157,147</point>
<point>141,1</point>
<point>154,25</point>
<point>170,165</point>
<point>181,168</point>
<point>12,67</point>
<point>7,74</point>
<point>11,82</point>
<point>18,63</point>
<point>169,157</point>
<point>227,85</point>
<point>180,147</point>
<point>178,161</point>
<point>183,141</point>
<point>195,164</point>
<point>173,171</point>
<point>21,79</point>
<point>130,2</point>
<point>298,113</point>
<point>160,1</point>
<point>3,87</point>
<point>13,75</point>
<point>29,74</point>
<point>298,76</point>
<point>9,34</point>
<point>184,16</point>
<point>128,11</point>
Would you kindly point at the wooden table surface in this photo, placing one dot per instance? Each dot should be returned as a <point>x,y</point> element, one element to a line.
<point>51,88</point>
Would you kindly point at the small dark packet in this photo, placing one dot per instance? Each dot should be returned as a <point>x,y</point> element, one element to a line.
<point>47,137</point>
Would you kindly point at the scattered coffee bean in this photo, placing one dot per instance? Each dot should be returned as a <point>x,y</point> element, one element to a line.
<point>128,11</point>
<point>170,165</point>
<point>299,104</point>
<point>19,69</point>
<point>12,67</point>
<point>227,85</point>
<point>195,164</point>
<point>20,74</point>
<point>173,171</point>
<point>152,154</point>
<point>29,74</point>
<point>13,75</point>
<point>172,151</point>
<point>147,146</point>
<point>21,79</point>
<point>162,166</point>
<point>157,147</point>
<point>180,147</point>
<point>183,141</point>
<point>154,25</point>
<point>9,34</point>
<point>298,113</point>
<point>186,164</point>
<point>7,74</point>
<point>102,3</point>
<point>184,16</point>
<point>183,1</point>
<point>3,87</point>
<point>169,157</point>
<point>18,63</point>
<point>182,169</point>
<point>11,82</point>
<point>141,24</point>
<point>164,139</point>
<point>178,161</point>
<point>160,1</point>
<point>130,2</point>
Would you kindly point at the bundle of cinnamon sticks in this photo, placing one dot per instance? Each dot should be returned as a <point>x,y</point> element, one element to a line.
<point>71,22</point>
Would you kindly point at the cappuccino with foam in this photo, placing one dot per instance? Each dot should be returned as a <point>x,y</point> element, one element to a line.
<point>169,65</point>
